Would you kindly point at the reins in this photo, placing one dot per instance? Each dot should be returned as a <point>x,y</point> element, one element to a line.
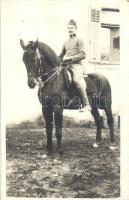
<point>56,71</point>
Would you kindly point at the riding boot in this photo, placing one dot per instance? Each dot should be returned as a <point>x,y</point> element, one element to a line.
<point>85,101</point>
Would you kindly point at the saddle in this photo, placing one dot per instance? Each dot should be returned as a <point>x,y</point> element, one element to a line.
<point>72,90</point>
<point>68,77</point>
<point>74,97</point>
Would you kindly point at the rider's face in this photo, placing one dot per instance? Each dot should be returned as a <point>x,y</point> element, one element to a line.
<point>71,29</point>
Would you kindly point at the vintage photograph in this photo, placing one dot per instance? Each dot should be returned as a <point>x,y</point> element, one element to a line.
<point>62,99</point>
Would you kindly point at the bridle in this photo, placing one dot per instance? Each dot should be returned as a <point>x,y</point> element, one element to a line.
<point>40,74</point>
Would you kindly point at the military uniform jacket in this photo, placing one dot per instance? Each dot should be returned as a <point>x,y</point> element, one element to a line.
<point>73,48</point>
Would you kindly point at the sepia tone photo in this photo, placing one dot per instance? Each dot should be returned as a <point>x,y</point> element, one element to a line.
<point>62,101</point>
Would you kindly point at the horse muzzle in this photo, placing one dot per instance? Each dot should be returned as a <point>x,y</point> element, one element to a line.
<point>31,84</point>
<point>34,82</point>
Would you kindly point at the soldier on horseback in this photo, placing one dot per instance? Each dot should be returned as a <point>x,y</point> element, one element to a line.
<point>72,53</point>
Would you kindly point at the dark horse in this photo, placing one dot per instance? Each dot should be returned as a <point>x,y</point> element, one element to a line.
<point>44,67</point>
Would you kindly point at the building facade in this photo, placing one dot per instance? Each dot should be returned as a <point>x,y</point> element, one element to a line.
<point>104,46</point>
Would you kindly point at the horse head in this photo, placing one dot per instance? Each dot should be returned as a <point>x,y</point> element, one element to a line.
<point>31,61</point>
<point>39,59</point>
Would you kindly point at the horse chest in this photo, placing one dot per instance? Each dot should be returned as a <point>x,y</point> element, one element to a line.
<point>51,89</point>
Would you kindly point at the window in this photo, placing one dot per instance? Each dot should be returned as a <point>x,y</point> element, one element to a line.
<point>110,45</point>
<point>95,15</point>
<point>116,43</point>
<point>105,45</point>
<point>94,34</point>
<point>104,36</point>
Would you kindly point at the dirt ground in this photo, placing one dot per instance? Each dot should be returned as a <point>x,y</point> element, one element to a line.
<point>82,172</point>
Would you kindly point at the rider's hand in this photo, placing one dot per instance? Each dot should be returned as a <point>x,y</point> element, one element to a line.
<point>67,58</point>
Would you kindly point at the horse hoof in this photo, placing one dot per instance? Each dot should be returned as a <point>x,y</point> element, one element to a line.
<point>44,156</point>
<point>49,152</point>
<point>57,161</point>
<point>112,148</point>
<point>95,145</point>
<point>60,151</point>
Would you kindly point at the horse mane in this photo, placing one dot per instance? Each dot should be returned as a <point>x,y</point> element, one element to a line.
<point>49,56</point>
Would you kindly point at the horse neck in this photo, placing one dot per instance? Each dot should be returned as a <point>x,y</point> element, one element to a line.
<point>49,57</point>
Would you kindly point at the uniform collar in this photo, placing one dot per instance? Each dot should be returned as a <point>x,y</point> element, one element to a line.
<point>73,35</point>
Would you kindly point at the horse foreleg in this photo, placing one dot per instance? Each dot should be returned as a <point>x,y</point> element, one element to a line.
<point>48,116</point>
<point>58,114</point>
<point>98,122</point>
<point>110,123</point>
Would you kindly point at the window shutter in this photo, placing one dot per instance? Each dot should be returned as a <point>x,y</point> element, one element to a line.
<point>94,34</point>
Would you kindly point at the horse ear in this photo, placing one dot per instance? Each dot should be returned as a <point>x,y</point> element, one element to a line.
<point>22,44</point>
<point>36,44</point>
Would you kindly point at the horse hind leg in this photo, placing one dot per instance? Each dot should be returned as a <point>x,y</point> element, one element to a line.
<point>110,122</point>
<point>98,122</point>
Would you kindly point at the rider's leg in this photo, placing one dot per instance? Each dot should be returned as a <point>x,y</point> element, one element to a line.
<point>80,83</point>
